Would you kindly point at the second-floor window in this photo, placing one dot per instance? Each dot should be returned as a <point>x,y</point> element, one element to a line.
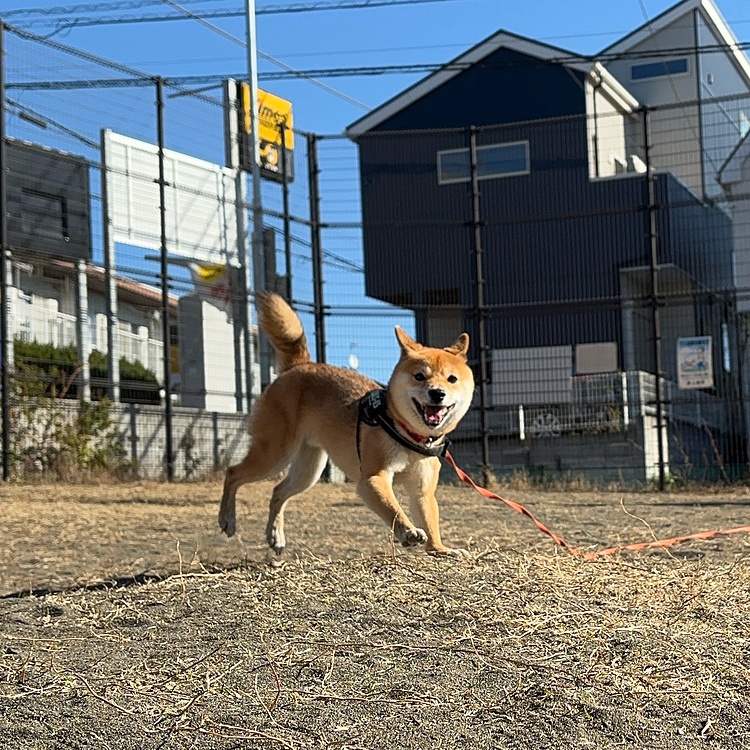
<point>659,69</point>
<point>496,160</point>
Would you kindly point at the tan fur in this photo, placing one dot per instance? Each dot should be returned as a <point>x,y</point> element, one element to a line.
<point>310,412</point>
<point>284,331</point>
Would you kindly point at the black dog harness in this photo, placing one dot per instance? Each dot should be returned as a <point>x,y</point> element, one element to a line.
<point>373,412</point>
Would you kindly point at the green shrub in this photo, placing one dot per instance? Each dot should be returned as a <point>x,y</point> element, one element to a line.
<point>51,438</point>
<point>56,366</point>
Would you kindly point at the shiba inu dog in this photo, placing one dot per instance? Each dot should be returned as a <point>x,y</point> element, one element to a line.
<point>312,411</point>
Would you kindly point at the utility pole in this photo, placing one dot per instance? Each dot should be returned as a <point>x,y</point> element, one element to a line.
<point>258,264</point>
<point>5,265</point>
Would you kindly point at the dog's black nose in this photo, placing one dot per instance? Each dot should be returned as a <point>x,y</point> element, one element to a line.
<point>437,395</point>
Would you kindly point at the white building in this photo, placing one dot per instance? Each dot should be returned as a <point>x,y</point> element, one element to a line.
<point>44,308</point>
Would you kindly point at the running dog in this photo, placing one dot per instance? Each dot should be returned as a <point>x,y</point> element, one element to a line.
<point>312,411</point>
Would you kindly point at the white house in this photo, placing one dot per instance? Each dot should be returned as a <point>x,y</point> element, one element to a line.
<point>44,308</point>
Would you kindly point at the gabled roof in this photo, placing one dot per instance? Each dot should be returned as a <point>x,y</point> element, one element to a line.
<point>599,76</point>
<point>458,65</point>
<point>710,13</point>
<point>731,170</point>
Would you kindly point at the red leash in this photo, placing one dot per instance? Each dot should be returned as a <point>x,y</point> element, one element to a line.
<point>518,508</point>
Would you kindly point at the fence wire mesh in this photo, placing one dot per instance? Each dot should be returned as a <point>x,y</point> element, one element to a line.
<point>600,264</point>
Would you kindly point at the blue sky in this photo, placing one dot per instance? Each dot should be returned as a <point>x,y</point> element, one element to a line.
<point>390,35</point>
<point>426,33</point>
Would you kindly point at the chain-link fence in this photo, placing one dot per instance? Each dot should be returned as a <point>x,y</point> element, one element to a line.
<point>598,262</point>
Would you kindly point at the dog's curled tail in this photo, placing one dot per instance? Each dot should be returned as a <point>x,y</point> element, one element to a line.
<point>284,330</point>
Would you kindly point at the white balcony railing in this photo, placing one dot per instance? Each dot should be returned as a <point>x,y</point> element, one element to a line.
<point>137,348</point>
<point>58,329</point>
<point>45,327</point>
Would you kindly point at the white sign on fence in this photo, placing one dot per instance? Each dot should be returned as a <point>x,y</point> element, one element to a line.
<point>694,362</point>
<point>201,209</point>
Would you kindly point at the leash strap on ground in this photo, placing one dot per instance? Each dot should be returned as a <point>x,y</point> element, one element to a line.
<point>665,542</point>
<point>464,477</point>
<point>636,547</point>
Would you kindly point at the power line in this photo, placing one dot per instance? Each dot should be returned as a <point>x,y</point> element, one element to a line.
<point>286,68</point>
<point>40,120</point>
<point>367,70</point>
<point>414,68</point>
<point>371,50</point>
<point>64,17</point>
<point>137,78</point>
<point>89,7</point>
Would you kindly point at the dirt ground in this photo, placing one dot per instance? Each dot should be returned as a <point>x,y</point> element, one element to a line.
<point>128,621</point>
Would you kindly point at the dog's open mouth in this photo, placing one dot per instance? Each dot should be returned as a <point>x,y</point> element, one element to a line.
<point>433,414</point>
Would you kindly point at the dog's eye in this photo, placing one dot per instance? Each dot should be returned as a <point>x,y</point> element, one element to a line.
<point>419,376</point>
<point>452,378</point>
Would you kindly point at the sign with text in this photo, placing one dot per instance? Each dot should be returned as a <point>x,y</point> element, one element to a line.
<point>201,208</point>
<point>694,362</point>
<point>273,112</point>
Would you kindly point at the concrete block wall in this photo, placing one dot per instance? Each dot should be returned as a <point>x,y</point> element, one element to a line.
<point>203,442</point>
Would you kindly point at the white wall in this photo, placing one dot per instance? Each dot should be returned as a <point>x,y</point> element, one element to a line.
<point>675,132</point>
<point>606,133</point>
<point>443,326</point>
<point>738,193</point>
<point>207,355</point>
<point>532,375</point>
<point>668,89</point>
<point>720,121</point>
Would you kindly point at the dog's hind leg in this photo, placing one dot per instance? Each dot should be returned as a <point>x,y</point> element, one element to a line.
<point>304,472</point>
<point>264,459</point>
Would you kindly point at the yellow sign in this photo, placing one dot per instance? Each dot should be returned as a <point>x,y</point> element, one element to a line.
<point>273,111</point>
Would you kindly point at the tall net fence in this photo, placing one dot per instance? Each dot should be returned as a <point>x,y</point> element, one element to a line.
<point>599,263</point>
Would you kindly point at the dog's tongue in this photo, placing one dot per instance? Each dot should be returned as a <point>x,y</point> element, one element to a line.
<point>433,414</point>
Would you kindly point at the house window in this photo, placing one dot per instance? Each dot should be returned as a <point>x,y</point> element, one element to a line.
<point>744,124</point>
<point>658,69</point>
<point>497,160</point>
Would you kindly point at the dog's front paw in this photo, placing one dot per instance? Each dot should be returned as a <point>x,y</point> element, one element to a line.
<point>228,523</point>
<point>412,537</point>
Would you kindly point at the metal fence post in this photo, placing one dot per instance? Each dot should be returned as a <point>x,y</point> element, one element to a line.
<point>83,334</point>
<point>476,222</point>
<point>169,453</point>
<point>5,333</point>
<point>242,316</point>
<point>285,209</point>
<point>653,239</point>
<point>110,279</point>
<point>317,258</point>
<point>215,436</point>
<point>740,381</point>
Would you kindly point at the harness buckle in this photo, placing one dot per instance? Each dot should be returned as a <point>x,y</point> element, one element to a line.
<point>372,407</point>
<point>372,411</point>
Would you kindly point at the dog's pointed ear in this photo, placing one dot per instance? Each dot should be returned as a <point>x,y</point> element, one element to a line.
<point>405,341</point>
<point>460,346</point>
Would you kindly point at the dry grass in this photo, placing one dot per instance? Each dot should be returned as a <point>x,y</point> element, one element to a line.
<point>349,642</point>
